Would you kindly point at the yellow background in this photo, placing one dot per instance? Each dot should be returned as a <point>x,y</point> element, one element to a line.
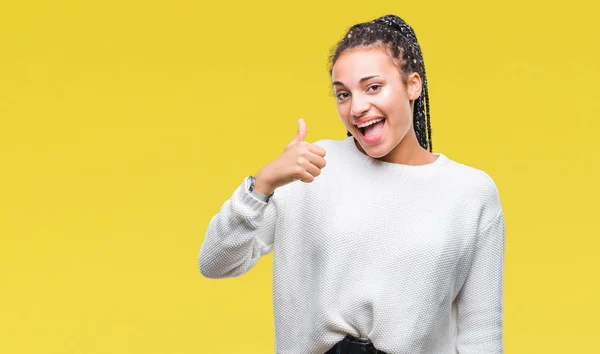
<point>126,124</point>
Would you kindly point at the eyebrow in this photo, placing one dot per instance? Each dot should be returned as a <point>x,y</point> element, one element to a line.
<point>338,83</point>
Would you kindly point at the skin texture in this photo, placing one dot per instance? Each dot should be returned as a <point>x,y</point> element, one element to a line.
<point>383,94</point>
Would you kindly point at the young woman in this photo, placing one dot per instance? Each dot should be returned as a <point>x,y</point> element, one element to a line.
<point>390,248</point>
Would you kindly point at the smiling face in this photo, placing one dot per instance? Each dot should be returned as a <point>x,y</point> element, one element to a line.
<point>375,104</point>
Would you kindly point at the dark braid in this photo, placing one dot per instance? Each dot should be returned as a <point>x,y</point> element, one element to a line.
<point>392,33</point>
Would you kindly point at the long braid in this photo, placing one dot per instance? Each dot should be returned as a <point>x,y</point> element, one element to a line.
<point>426,99</point>
<point>393,33</point>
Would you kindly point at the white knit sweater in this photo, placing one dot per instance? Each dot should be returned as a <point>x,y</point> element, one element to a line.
<point>410,257</point>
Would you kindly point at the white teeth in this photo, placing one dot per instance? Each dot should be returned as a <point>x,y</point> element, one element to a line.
<point>366,124</point>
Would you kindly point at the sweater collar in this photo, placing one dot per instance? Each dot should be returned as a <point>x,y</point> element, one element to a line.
<point>396,167</point>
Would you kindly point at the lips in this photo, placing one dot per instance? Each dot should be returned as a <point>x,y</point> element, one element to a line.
<point>361,122</point>
<point>371,130</point>
<point>364,122</point>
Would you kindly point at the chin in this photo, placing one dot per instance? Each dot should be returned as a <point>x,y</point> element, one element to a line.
<point>376,152</point>
<point>378,155</point>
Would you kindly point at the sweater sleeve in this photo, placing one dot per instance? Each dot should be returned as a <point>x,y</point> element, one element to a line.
<point>480,301</point>
<point>238,235</point>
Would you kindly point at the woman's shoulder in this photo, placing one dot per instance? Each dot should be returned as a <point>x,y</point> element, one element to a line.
<point>470,174</point>
<point>476,183</point>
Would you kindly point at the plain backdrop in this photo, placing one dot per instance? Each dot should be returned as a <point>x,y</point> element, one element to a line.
<point>125,125</point>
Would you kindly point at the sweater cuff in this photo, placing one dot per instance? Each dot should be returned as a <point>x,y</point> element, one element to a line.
<point>262,197</point>
<point>253,198</point>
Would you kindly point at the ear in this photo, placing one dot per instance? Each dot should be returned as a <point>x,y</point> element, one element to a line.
<point>414,86</point>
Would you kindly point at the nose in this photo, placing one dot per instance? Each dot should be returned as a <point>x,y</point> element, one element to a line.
<point>360,105</point>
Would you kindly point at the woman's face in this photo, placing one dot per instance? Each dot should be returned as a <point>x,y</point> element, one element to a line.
<point>373,102</point>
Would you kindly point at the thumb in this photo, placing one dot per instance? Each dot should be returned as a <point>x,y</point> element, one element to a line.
<point>301,133</point>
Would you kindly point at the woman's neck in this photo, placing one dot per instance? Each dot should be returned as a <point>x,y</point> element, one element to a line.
<point>407,152</point>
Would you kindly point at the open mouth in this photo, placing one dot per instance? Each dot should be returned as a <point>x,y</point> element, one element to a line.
<point>372,130</point>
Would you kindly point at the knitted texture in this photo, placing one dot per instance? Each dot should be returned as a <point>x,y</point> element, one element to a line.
<point>410,257</point>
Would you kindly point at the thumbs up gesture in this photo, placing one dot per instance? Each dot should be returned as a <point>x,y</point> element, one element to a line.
<point>300,160</point>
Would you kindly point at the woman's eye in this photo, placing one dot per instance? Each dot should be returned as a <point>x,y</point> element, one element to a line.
<point>342,95</point>
<point>374,87</point>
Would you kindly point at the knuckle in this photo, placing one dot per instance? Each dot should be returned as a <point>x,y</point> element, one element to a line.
<point>304,151</point>
<point>298,170</point>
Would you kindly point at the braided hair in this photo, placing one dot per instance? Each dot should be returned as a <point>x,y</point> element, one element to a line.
<point>395,35</point>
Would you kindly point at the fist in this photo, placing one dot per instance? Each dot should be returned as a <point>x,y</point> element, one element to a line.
<point>300,160</point>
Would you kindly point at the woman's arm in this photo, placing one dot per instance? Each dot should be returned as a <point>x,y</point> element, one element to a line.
<point>480,301</point>
<point>238,235</point>
<point>244,229</point>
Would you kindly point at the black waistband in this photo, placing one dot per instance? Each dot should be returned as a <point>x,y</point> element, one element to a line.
<point>352,345</point>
